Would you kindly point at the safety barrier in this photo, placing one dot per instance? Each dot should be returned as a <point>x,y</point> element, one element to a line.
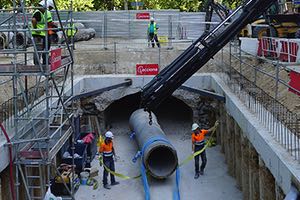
<point>280,49</point>
<point>284,50</point>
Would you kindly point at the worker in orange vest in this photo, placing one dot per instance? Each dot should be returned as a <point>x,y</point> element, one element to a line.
<point>107,152</point>
<point>198,143</point>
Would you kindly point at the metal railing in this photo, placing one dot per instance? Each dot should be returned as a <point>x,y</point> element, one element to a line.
<point>123,24</point>
<point>32,96</point>
<point>282,123</point>
<point>121,56</point>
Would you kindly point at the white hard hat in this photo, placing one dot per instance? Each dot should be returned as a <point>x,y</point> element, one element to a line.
<point>195,126</point>
<point>50,3</point>
<point>42,3</point>
<point>151,19</point>
<point>109,134</point>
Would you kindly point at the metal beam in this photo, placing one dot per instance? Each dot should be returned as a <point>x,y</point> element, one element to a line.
<point>205,93</point>
<point>54,150</point>
<point>126,83</point>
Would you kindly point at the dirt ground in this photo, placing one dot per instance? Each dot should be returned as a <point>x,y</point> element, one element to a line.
<point>287,98</point>
<point>268,84</point>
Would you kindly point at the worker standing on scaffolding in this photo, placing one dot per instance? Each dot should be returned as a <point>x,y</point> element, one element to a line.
<point>39,32</point>
<point>52,36</point>
<point>107,152</point>
<point>71,32</point>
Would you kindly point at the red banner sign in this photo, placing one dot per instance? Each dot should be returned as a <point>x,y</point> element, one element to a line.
<point>55,59</point>
<point>144,15</point>
<point>294,82</point>
<point>147,69</point>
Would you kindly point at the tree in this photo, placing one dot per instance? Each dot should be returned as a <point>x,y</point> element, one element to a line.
<point>78,5</point>
<point>86,5</point>
<point>5,4</point>
<point>109,4</point>
<point>232,4</point>
<point>9,3</point>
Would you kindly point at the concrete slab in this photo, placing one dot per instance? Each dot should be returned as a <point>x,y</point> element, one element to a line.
<point>214,184</point>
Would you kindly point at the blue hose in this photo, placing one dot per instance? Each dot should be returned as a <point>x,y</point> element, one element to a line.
<point>176,193</point>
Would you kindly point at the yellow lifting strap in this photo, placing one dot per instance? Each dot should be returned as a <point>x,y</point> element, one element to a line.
<point>100,140</point>
<point>122,176</point>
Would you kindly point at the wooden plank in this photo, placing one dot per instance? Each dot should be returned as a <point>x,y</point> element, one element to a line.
<point>32,154</point>
<point>9,68</point>
<point>54,150</point>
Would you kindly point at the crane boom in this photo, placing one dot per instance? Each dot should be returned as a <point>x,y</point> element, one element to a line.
<point>199,53</point>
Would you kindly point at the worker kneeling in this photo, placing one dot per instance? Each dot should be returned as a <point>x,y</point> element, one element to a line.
<point>107,153</point>
<point>198,143</point>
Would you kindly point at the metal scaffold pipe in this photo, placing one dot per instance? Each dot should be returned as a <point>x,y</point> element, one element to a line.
<point>158,154</point>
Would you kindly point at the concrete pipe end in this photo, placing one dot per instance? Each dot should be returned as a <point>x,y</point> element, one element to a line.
<point>161,161</point>
<point>20,38</point>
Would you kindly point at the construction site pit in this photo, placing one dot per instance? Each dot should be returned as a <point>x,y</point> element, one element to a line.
<point>112,110</point>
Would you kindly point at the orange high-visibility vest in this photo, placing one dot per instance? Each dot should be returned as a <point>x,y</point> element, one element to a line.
<point>199,138</point>
<point>106,149</point>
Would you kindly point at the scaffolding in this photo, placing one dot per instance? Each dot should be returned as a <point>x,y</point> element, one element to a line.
<point>39,116</point>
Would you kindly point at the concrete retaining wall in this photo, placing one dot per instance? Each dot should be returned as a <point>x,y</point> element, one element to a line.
<point>255,141</point>
<point>254,145</point>
<point>262,168</point>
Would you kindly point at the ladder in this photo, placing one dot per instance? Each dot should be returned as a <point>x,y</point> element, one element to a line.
<point>34,180</point>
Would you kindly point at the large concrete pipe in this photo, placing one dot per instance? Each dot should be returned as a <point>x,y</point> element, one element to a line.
<point>7,39</point>
<point>159,156</point>
<point>2,41</point>
<point>20,39</point>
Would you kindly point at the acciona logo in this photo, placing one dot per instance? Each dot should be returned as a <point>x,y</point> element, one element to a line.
<point>55,56</point>
<point>145,69</point>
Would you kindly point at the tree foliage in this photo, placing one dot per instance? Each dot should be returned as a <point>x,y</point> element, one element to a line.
<point>78,5</point>
<point>85,5</point>
<point>232,4</point>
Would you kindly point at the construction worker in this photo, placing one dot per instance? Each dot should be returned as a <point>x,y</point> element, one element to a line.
<point>71,32</point>
<point>52,36</point>
<point>107,153</point>
<point>38,23</point>
<point>152,32</point>
<point>198,143</point>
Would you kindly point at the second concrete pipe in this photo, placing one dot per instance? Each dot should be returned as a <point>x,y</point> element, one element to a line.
<point>159,157</point>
